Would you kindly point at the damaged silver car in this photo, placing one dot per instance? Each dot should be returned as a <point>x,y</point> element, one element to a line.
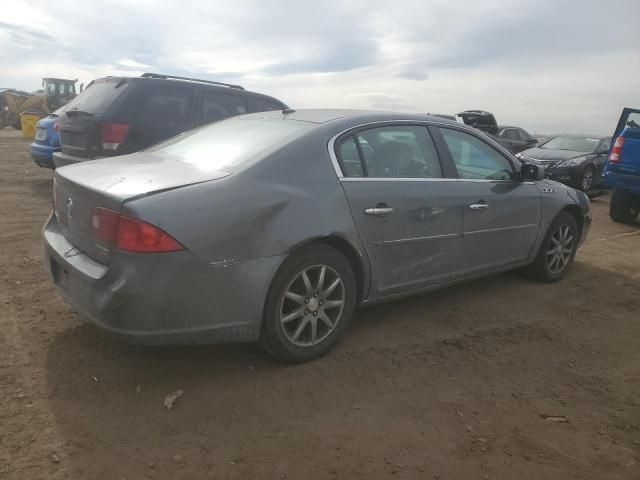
<point>273,227</point>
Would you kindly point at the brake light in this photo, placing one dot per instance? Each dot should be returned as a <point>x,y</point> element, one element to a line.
<point>56,126</point>
<point>616,151</point>
<point>112,135</point>
<point>130,234</point>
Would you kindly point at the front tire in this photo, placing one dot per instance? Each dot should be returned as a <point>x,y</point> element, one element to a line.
<point>557,251</point>
<point>624,207</point>
<point>586,179</point>
<point>309,305</point>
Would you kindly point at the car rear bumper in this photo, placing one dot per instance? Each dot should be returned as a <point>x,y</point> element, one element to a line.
<point>160,299</point>
<point>623,181</point>
<point>42,155</point>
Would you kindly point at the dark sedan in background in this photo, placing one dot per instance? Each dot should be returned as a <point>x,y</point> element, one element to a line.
<point>516,138</point>
<point>575,160</point>
<point>273,227</point>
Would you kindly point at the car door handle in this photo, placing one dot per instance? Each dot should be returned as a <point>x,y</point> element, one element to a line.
<point>378,211</point>
<point>479,206</point>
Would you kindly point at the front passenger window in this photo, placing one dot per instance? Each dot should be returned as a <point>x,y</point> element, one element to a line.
<point>475,159</point>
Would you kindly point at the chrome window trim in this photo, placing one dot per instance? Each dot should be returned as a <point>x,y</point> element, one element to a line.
<point>425,123</point>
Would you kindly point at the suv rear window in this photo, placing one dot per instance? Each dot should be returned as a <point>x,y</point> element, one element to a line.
<point>98,96</point>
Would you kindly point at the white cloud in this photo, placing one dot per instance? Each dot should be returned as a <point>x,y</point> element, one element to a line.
<point>547,66</point>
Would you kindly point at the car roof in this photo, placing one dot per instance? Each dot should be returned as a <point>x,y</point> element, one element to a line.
<point>320,116</point>
<point>575,135</point>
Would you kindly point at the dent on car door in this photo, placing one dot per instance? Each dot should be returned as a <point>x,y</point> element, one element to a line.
<point>406,218</point>
<point>501,212</point>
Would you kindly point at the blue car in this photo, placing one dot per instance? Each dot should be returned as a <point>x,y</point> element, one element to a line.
<point>623,168</point>
<point>47,141</point>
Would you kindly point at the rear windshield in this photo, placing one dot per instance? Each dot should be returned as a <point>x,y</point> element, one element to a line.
<point>573,144</point>
<point>227,144</point>
<point>98,96</point>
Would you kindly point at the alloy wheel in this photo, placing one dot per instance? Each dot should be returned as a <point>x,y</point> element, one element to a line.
<point>312,305</point>
<point>587,179</point>
<point>560,249</point>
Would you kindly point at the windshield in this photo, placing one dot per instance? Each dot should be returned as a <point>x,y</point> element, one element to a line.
<point>98,96</point>
<point>225,145</point>
<point>574,144</point>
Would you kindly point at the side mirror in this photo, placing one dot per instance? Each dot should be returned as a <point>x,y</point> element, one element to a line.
<point>529,171</point>
<point>533,141</point>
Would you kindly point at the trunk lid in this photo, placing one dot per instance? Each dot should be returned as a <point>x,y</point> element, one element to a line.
<point>109,183</point>
<point>80,119</point>
<point>480,119</point>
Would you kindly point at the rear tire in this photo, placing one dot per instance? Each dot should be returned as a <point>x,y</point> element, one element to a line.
<point>624,206</point>
<point>557,251</point>
<point>309,305</point>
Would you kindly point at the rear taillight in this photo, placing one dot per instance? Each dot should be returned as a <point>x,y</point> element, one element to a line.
<point>112,135</point>
<point>130,234</point>
<point>616,151</point>
<point>56,126</point>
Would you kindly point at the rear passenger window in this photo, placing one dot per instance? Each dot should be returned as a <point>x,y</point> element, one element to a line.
<point>350,159</point>
<point>401,151</point>
<point>524,136</point>
<point>475,159</point>
<point>265,105</point>
<point>217,106</point>
<point>166,107</point>
<point>510,134</point>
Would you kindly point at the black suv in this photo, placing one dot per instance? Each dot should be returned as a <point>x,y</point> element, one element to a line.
<point>120,115</point>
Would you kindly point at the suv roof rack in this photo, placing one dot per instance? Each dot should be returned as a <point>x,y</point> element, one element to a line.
<point>158,75</point>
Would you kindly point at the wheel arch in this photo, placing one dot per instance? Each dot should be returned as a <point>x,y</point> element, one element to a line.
<point>576,213</point>
<point>356,257</point>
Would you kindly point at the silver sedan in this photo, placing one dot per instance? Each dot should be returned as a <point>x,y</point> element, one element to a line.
<point>274,227</point>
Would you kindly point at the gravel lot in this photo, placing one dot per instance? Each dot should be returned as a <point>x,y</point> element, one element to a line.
<point>450,385</point>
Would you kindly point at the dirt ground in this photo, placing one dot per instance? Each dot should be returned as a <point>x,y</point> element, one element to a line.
<point>450,385</point>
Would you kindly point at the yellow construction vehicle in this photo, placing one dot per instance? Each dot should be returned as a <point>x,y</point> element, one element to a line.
<point>54,94</point>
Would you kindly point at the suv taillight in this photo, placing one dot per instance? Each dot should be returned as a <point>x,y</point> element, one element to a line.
<point>112,135</point>
<point>56,126</point>
<point>616,151</point>
<point>130,234</point>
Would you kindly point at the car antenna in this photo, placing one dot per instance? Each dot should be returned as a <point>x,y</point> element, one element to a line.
<point>287,110</point>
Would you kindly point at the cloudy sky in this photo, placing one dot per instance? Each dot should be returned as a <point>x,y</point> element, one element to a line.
<point>545,65</point>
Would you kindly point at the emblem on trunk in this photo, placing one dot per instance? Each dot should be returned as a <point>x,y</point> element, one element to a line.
<point>69,207</point>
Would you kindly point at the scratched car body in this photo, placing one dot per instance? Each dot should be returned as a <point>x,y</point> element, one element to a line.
<point>274,227</point>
